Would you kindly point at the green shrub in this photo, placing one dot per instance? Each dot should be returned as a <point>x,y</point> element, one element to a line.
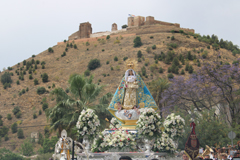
<point>99,80</point>
<point>71,45</point>
<point>148,50</point>
<point>160,70</point>
<point>6,137</point>
<point>151,37</point>
<point>50,50</point>
<point>199,64</point>
<point>172,38</point>
<point>182,72</point>
<point>187,67</point>
<point>115,58</point>
<point>20,133</point>
<point>190,69</point>
<point>172,45</point>
<point>93,64</point>
<point>156,61</point>
<point>18,115</point>
<point>53,85</point>
<point>27,89</point>
<point>1,124</point>
<point>16,110</point>
<point>169,70</point>
<point>65,41</point>
<point>172,31</point>
<point>40,112</point>
<point>67,90</point>
<point>108,37</point>
<point>189,55</point>
<point>154,46</point>
<point>18,82</point>
<point>34,116</point>
<point>125,58</point>
<point>6,78</point>
<point>139,54</point>
<point>124,26</point>
<point>107,62</point>
<point>24,62</point>
<point>9,116</point>
<point>103,50</point>
<point>170,76</point>
<point>37,61</point>
<point>111,68</point>
<point>137,42</point>
<point>168,37</point>
<point>87,72</point>
<point>139,60</point>
<point>208,47</point>
<point>41,90</point>
<point>43,66</point>
<point>30,76</point>
<point>87,43</point>
<point>10,68</point>
<point>14,127</point>
<point>33,56</point>
<point>64,54</point>
<point>35,81</point>
<point>44,106</point>
<point>143,69</point>
<point>23,91</point>
<point>75,46</point>
<point>181,31</point>
<point>204,54</point>
<point>67,45</point>
<point>45,77</point>
<point>66,49</point>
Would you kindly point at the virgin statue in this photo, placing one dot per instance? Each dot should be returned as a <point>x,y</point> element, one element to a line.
<point>131,95</point>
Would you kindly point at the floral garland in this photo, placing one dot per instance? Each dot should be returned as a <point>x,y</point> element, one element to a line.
<point>114,123</point>
<point>88,124</point>
<point>118,140</point>
<point>149,123</point>
<point>174,126</point>
<point>164,144</point>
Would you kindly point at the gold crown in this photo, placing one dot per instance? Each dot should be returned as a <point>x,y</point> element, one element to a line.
<point>131,64</point>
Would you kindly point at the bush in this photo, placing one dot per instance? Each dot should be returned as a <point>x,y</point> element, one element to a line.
<point>24,62</point>
<point>75,46</point>
<point>6,78</point>
<point>139,60</point>
<point>50,50</point>
<point>103,50</point>
<point>35,81</point>
<point>204,54</point>
<point>6,137</point>
<point>34,116</point>
<point>190,69</point>
<point>1,124</point>
<point>64,54</point>
<point>208,47</point>
<point>139,54</point>
<point>148,50</point>
<point>172,38</point>
<point>87,43</point>
<point>187,67</point>
<point>41,90</point>
<point>115,58</point>
<point>169,69</point>
<point>40,112</point>
<point>66,49</point>
<point>143,69</point>
<point>16,110</point>
<point>44,106</point>
<point>107,62</point>
<point>160,70</point>
<point>37,61</point>
<point>172,31</point>
<point>170,76</point>
<point>9,116</point>
<point>43,66</point>
<point>181,31</point>
<point>18,115</point>
<point>172,45</point>
<point>30,76</point>
<point>124,26</point>
<point>87,72</point>
<point>151,37</point>
<point>20,133</point>
<point>182,72</point>
<point>137,42</point>
<point>18,82</point>
<point>111,68</point>
<point>33,56</point>
<point>154,46</point>
<point>125,58</point>
<point>108,37</point>
<point>116,41</point>
<point>45,77</point>
<point>14,127</point>
<point>93,64</point>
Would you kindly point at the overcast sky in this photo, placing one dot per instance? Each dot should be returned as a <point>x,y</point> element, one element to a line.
<point>31,26</point>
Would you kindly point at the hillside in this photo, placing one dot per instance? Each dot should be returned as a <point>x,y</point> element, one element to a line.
<point>76,60</point>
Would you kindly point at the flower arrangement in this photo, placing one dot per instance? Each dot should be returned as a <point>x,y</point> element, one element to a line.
<point>118,140</point>
<point>114,123</point>
<point>149,123</point>
<point>174,126</point>
<point>88,124</point>
<point>164,144</point>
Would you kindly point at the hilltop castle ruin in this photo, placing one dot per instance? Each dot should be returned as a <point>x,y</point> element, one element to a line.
<point>138,25</point>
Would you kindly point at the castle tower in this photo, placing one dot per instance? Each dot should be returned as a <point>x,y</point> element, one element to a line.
<point>114,27</point>
<point>139,21</point>
<point>149,20</point>
<point>130,21</point>
<point>85,29</point>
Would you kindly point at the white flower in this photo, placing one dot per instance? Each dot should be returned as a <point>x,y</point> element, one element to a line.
<point>151,134</point>
<point>84,128</point>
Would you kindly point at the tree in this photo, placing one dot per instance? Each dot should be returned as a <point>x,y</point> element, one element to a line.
<point>40,138</point>
<point>139,54</point>
<point>156,88</point>
<point>137,42</point>
<point>35,81</point>
<point>213,86</point>
<point>6,154</point>
<point>16,110</point>
<point>14,127</point>
<point>6,78</point>
<point>124,26</point>
<point>20,134</point>
<point>93,64</point>
<point>45,77</point>
<point>27,148</point>
<point>49,145</point>
<point>83,94</point>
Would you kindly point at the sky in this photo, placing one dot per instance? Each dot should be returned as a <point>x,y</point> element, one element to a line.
<point>29,27</point>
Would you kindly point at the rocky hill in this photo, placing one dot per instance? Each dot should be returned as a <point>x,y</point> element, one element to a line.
<point>59,67</point>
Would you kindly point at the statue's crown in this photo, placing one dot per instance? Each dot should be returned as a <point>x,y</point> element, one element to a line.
<point>131,64</point>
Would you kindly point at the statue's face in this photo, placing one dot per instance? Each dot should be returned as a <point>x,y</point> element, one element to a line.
<point>130,72</point>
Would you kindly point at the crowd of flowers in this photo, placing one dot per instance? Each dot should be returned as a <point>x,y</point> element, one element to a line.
<point>164,143</point>
<point>114,123</point>
<point>88,124</point>
<point>174,126</point>
<point>149,123</point>
<point>118,140</point>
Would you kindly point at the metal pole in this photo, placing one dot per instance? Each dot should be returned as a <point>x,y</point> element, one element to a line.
<point>73,150</point>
